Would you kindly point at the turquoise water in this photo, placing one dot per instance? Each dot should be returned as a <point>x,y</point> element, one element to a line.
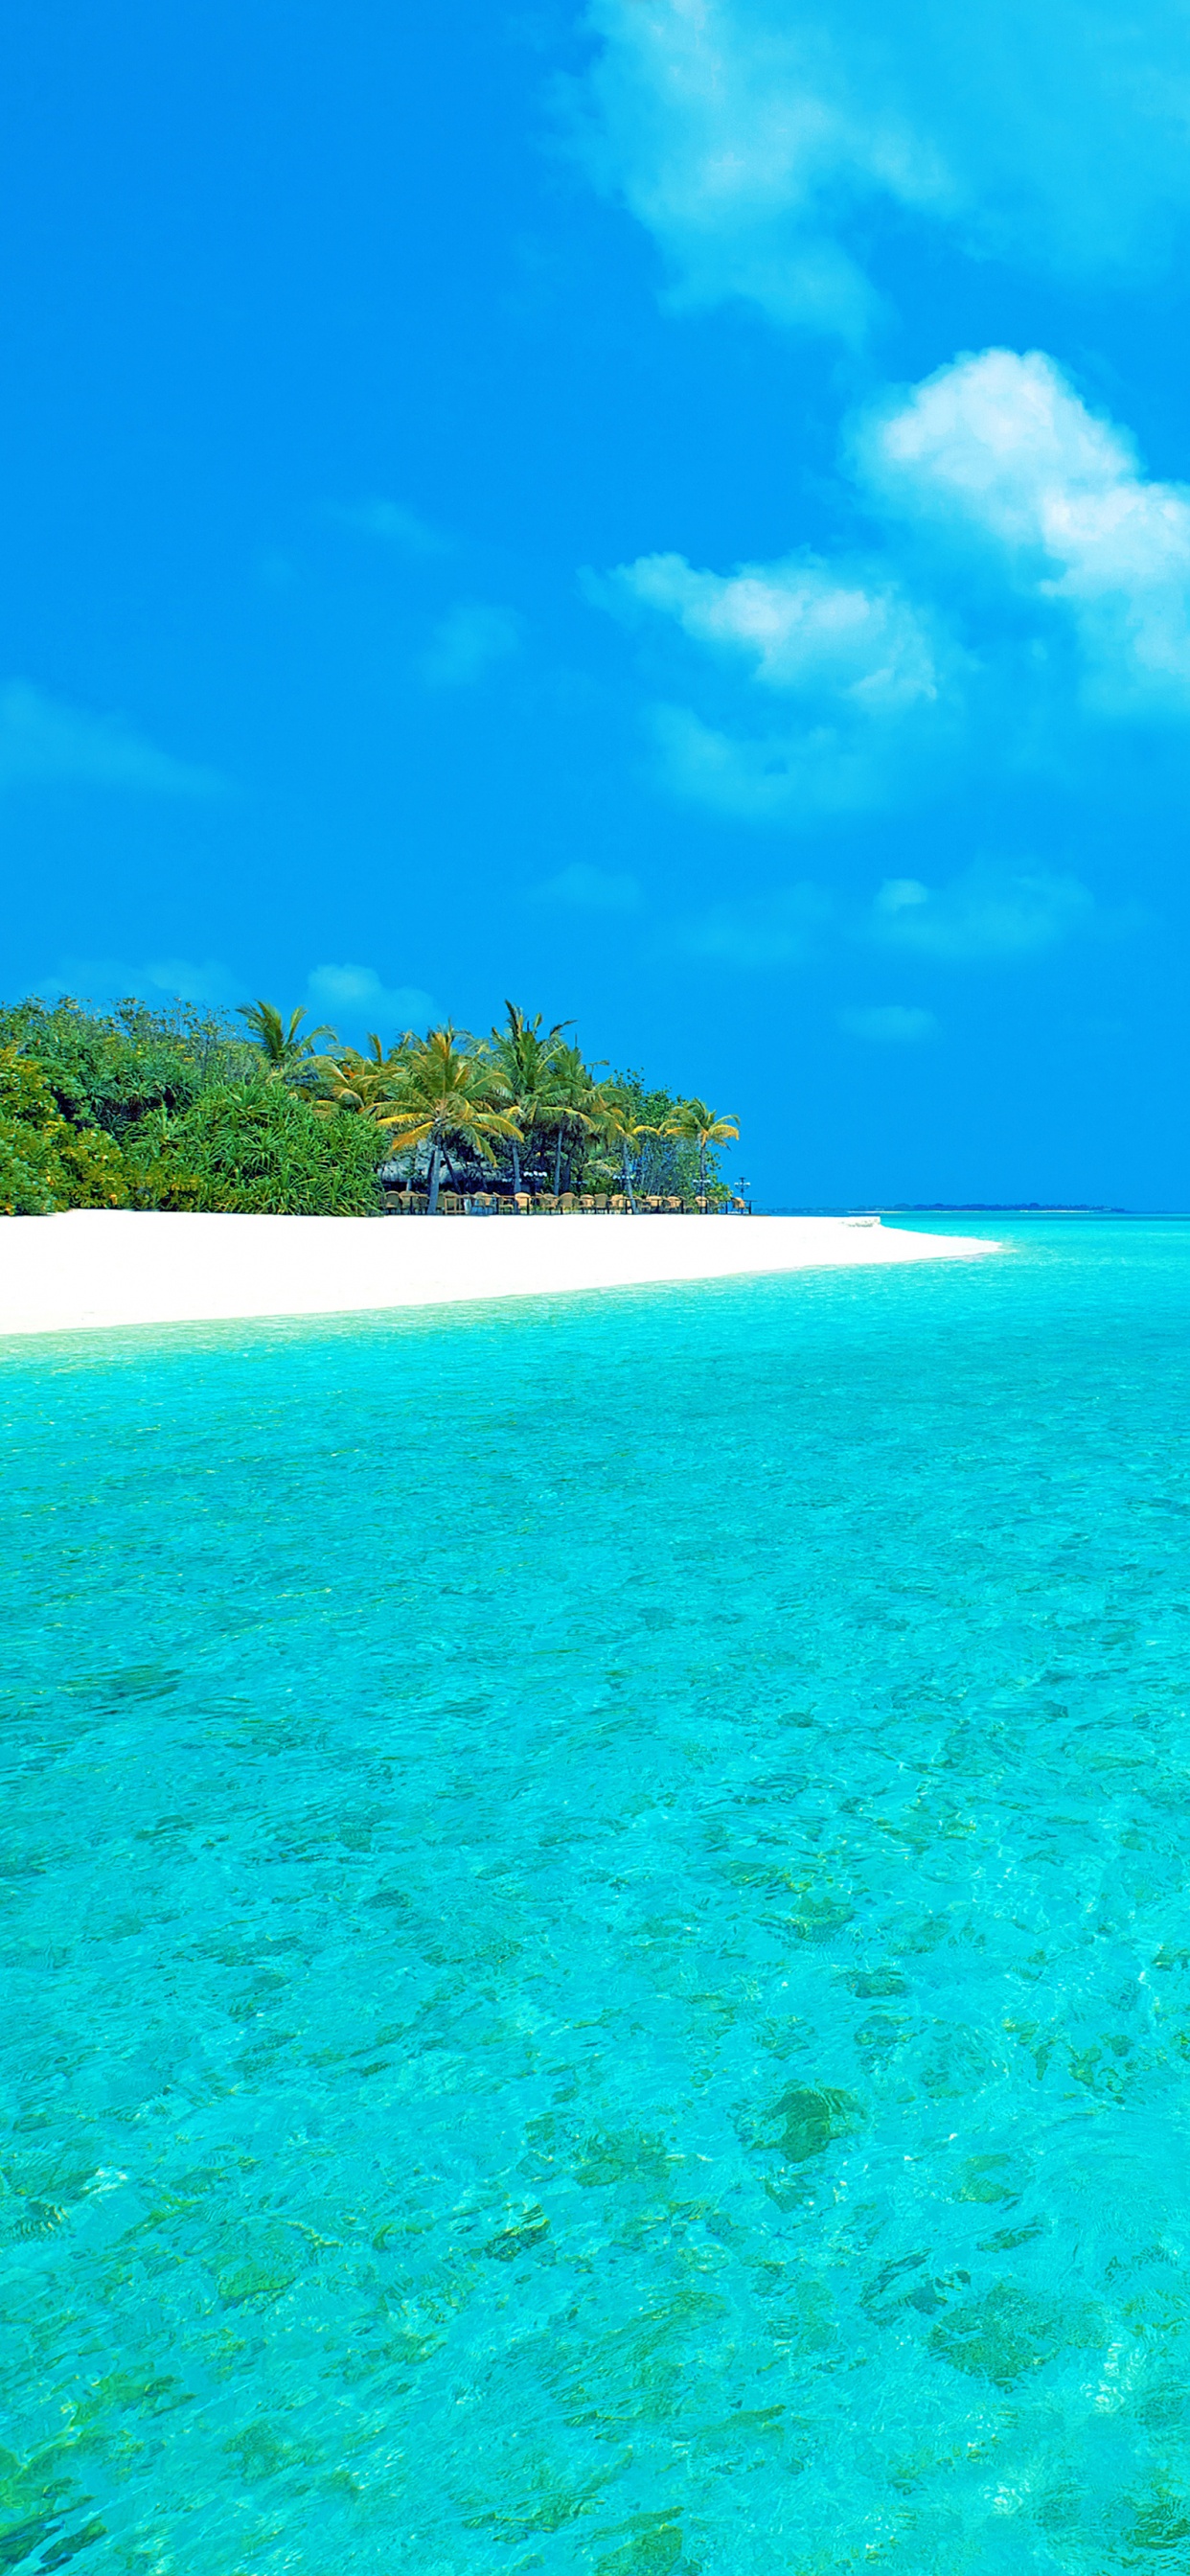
<point>595,1929</point>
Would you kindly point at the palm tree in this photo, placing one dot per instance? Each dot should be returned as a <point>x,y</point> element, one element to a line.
<point>526,1069</point>
<point>571,1105</point>
<point>449,1094</point>
<point>369,1085</point>
<point>695,1124</point>
<point>287,1054</point>
<point>614,1113</point>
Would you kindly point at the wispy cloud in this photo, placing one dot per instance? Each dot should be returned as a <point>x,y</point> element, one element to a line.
<point>889,1024</point>
<point>105,980</point>
<point>45,742</point>
<point>582,888</point>
<point>795,776</point>
<point>395,525</point>
<point>356,1000</point>
<point>468,641</point>
<point>986,913</point>
<point>781,928</point>
<point>759,142</point>
<point>351,999</point>
<point>866,676</point>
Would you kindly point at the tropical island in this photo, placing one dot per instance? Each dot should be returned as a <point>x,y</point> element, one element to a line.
<point>182,1109</point>
<point>182,1166</point>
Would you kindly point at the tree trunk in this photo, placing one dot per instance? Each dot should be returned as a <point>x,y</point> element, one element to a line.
<point>435,1167</point>
<point>558,1161</point>
<point>516,1166</point>
<point>628,1180</point>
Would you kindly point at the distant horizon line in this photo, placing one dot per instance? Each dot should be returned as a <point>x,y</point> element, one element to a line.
<point>973,1207</point>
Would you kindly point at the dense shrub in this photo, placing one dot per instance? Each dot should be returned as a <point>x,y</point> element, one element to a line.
<point>262,1149</point>
<point>30,1172</point>
<point>46,1164</point>
<point>165,1110</point>
<point>112,1070</point>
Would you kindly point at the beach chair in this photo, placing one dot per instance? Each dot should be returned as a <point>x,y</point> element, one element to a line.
<point>618,1204</point>
<point>566,1202</point>
<point>587,1203</point>
<point>523,1203</point>
<point>449,1203</point>
<point>506,1207</point>
<point>673,1207</point>
<point>547,1204</point>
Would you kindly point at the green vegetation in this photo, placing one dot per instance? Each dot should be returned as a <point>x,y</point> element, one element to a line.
<point>700,1126</point>
<point>284,1050</point>
<point>453,1102</point>
<point>185,1108</point>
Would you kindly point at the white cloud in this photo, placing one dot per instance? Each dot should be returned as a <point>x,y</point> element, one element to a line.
<point>589,889</point>
<point>46,743</point>
<point>755,139</point>
<point>889,1024</point>
<point>1000,444</point>
<point>803,628</point>
<point>1001,439</point>
<point>870,679</point>
<point>467,641</point>
<point>1032,578</point>
<point>986,913</point>
<point>355,1001</point>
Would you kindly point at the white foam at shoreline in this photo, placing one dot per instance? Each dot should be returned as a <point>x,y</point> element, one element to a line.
<point>100,1267</point>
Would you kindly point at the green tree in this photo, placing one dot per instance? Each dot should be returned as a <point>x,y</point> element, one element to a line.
<point>572,1110</point>
<point>174,1106</point>
<point>452,1094</point>
<point>526,1067</point>
<point>287,1054</point>
<point>46,1164</point>
<point>367,1085</point>
<point>110,1070</point>
<point>615,1113</point>
<point>695,1124</point>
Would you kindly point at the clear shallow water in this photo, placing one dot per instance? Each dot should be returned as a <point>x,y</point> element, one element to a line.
<point>595,1932</point>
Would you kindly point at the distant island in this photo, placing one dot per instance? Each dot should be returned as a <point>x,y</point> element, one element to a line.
<point>184,1109</point>
<point>998,1207</point>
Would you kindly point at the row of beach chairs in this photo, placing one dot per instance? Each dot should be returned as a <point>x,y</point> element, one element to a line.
<point>488,1203</point>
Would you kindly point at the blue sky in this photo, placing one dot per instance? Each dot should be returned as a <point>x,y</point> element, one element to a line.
<point>674,510</point>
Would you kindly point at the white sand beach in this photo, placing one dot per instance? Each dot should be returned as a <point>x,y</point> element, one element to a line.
<point>101,1267</point>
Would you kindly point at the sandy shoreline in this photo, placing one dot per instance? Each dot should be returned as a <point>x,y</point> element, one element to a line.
<point>102,1267</point>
